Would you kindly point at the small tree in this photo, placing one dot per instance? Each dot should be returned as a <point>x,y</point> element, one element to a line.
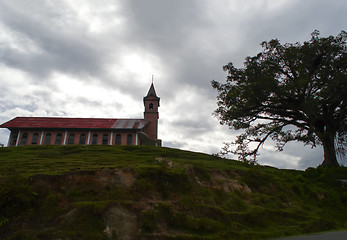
<point>290,92</point>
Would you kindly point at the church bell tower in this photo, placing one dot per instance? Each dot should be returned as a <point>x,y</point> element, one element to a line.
<point>151,114</point>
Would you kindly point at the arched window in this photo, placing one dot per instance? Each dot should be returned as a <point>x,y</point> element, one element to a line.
<point>48,138</point>
<point>151,106</point>
<point>82,138</point>
<point>129,139</point>
<point>35,138</point>
<point>58,138</point>
<point>118,139</point>
<point>71,139</point>
<point>95,138</point>
<point>24,139</point>
<point>14,139</point>
<point>105,139</point>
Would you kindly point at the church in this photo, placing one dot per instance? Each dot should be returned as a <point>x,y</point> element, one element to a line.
<point>106,131</point>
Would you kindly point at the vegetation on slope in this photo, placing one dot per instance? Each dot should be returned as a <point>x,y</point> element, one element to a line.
<point>142,192</point>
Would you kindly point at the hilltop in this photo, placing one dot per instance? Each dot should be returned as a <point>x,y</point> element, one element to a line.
<point>143,192</point>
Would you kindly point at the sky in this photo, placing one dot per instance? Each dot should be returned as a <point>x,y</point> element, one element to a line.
<point>80,58</point>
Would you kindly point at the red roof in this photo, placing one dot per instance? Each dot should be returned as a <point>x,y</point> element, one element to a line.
<point>81,123</point>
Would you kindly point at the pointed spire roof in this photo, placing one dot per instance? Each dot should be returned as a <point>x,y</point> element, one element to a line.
<point>151,91</point>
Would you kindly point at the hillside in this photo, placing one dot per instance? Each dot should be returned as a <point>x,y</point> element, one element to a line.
<point>141,192</point>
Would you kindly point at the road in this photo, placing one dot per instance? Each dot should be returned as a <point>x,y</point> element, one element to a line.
<point>340,235</point>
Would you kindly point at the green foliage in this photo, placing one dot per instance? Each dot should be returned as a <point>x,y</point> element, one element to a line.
<point>163,213</point>
<point>162,180</point>
<point>16,197</point>
<point>3,221</point>
<point>84,222</point>
<point>290,92</point>
<point>24,234</point>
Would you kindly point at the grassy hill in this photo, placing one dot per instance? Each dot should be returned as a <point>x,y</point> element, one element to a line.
<point>142,192</point>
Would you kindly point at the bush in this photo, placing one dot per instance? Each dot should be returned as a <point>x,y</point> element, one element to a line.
<point>162,180</point>
<point>16,196</point>
<point>85,222</point>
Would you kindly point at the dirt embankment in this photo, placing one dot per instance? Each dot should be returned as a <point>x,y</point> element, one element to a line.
<point>121,198</point>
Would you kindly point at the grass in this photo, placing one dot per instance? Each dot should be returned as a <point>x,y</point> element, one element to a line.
<point>57,160</point>
<point>72,192</point>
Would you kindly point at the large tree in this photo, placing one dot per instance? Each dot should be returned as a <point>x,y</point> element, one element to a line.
<point>290,92</point>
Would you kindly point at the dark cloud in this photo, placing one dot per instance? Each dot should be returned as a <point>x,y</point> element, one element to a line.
<point>59,46</point>
<point>163,26</point>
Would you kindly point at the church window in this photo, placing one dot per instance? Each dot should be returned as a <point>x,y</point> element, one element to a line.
<point>129,139</point>
<point>48,138</point>
<point>58,138</point>
<point>105,139</point>
<point>118,139</point>
<point>35,138</point>
<point>24,139</point>
<point>82,138</point>
<point>151,106</point>
<point>71,139</point>
<point>14,139</point>
<point>95,138</point>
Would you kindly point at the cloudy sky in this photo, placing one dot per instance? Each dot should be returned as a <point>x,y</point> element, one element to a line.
<point>79,58</point>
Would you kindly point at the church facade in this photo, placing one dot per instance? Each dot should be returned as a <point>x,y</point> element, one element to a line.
<point>106,131</point>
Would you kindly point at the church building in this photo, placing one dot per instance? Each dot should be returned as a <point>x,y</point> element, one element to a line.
<point>107,131</point>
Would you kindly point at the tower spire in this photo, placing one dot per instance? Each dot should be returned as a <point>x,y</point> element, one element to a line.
<point>151,91</point>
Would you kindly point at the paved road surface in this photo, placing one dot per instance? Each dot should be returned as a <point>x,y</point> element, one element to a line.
<point>341,235</point>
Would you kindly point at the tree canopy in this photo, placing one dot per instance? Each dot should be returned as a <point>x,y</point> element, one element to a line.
<point>290,92</point>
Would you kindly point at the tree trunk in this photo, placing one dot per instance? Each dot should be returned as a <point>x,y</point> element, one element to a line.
<point>330,159</point>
